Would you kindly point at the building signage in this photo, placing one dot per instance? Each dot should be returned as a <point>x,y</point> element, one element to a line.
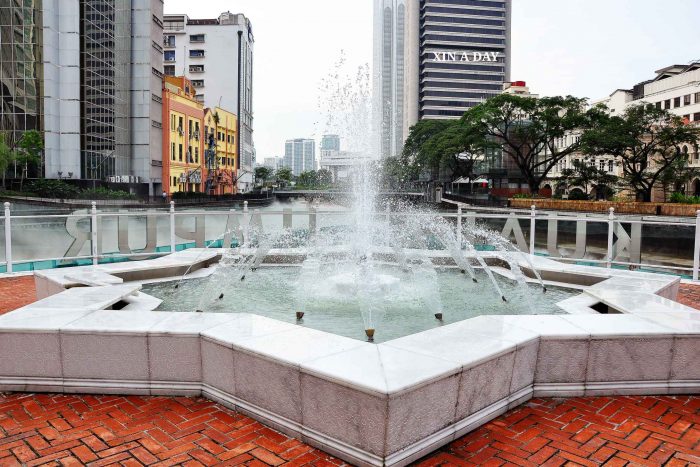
<point>455,56</point>
<point>192,177</point>
<point>124,179</point>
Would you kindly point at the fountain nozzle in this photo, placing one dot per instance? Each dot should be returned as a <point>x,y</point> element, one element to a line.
<point>544,289</point>
<point>221,297</point>
<point>463,271</point>
<point>370,334</point>
<point>503,297</point>
<point>199,311</point>
<point>474,280</point>
<point>438,316</point>
<point>300,315</point>
<point>243,278</point>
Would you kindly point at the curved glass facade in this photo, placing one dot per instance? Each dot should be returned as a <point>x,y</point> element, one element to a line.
<point>21,71</point>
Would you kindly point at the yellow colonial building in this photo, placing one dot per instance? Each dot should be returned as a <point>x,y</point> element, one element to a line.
<point>221,146</point>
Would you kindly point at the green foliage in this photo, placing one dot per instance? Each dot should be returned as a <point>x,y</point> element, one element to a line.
<point>324,177</point>
<point>105,193</point>
<point>684,199</point>
<point>262,174</point>
<point>646,140</point>
<point>284,174</point>
<point>578,195</point>
<point>528,129</point>
<point>47,188</point>
<point>6,153</point>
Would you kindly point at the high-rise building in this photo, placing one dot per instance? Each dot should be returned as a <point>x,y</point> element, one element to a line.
<point>87,74</point>
<point>300,155</point>
<point>217,55</point>
<point>435,59</point>
<point>330,143</point>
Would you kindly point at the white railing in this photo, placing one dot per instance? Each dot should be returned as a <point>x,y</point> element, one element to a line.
<point>91,236</point>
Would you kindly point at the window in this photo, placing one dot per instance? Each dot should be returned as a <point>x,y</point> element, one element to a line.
<point>196,155</point>
<point>686,99</point>
<point>169,55</point>
<point>198,38</point>
<point>172,151</point>
<point>696,116</point>
<point>697,97</point>
<point>169,41</point>
<point>601,165</point>
<point>676,102</point>
<point>196,68</point>
<point>197,53</point>
<point>172,122</point>
<point>667,104</point>
<point>658,105</point>
<point>198,83</point>
<point>169,70</point>
<point>180,126</point>
<point>610,166</point>
<point>180,152</point>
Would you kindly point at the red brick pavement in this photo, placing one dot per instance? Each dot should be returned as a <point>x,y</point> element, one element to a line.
<point>16,292</point>
<point>110,430</point>
<point>689,295</point>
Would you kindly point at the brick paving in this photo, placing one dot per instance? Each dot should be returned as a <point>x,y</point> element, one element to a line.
<point>689,295</point>
<point>66,430</point>
<point>16,292</point>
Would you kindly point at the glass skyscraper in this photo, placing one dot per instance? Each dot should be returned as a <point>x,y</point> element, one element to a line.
<point>21,67</point>
<point>105,58</point>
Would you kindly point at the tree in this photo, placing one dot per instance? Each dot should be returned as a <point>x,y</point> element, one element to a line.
<point>677,175</point>
<point>262,174</point>
<point>284,175</point>
<point>6,156</point>
<point>586,175</point>
<point>451,146</point>
<point>28,154</point>
<point>529,130</point>
<point>308,179</point>
<point>324,177</point>
<point>647,141</point>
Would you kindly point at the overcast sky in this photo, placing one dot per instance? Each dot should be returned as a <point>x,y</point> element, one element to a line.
<point>587,48</point>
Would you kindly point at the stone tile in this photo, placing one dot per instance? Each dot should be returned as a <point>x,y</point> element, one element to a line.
<point>264,383</point>
<point>630,359</point>
<point>525,366</point>
<point>381,369</point>
<point>98,356</point>
<point>562,361</point>
<point>484,384</point>
<point>356,417</point>
<point>175,358</point>
<point>116,321</point>
<point>686,358</point>
<point>245,327</point>
<point>30,354</point>
<point>414,415</point>
<point>217,366</point>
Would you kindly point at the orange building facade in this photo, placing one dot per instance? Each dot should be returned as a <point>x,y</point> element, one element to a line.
<point>220,128</point>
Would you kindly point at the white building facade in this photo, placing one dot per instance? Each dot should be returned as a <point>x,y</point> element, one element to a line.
<point>95,89</point>
<point>217,55</point>
<point>299,155</point>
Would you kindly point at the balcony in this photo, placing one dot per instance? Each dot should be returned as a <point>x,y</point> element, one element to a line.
<point>169,42</point>
<point>196,68</point>
<point>198,83</point>
<point>196,53</point>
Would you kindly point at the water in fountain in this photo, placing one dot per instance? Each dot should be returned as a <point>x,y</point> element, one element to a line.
<point>381,261</point>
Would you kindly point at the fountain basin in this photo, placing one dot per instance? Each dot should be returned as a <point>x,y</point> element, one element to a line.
<point>370,404</point>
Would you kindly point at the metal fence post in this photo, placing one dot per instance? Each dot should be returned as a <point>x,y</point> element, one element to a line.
<point>696,256</point>
<point>458,232</point>
<point>8,238</point>
<point>533,213</point>
<point>93,233</point>
<point>611,236</point>
<point>172,227</point>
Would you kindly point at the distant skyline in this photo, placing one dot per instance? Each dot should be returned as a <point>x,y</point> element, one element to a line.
<point>587,48</point>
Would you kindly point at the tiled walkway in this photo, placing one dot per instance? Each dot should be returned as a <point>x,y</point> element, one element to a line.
<point>110,430</point>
